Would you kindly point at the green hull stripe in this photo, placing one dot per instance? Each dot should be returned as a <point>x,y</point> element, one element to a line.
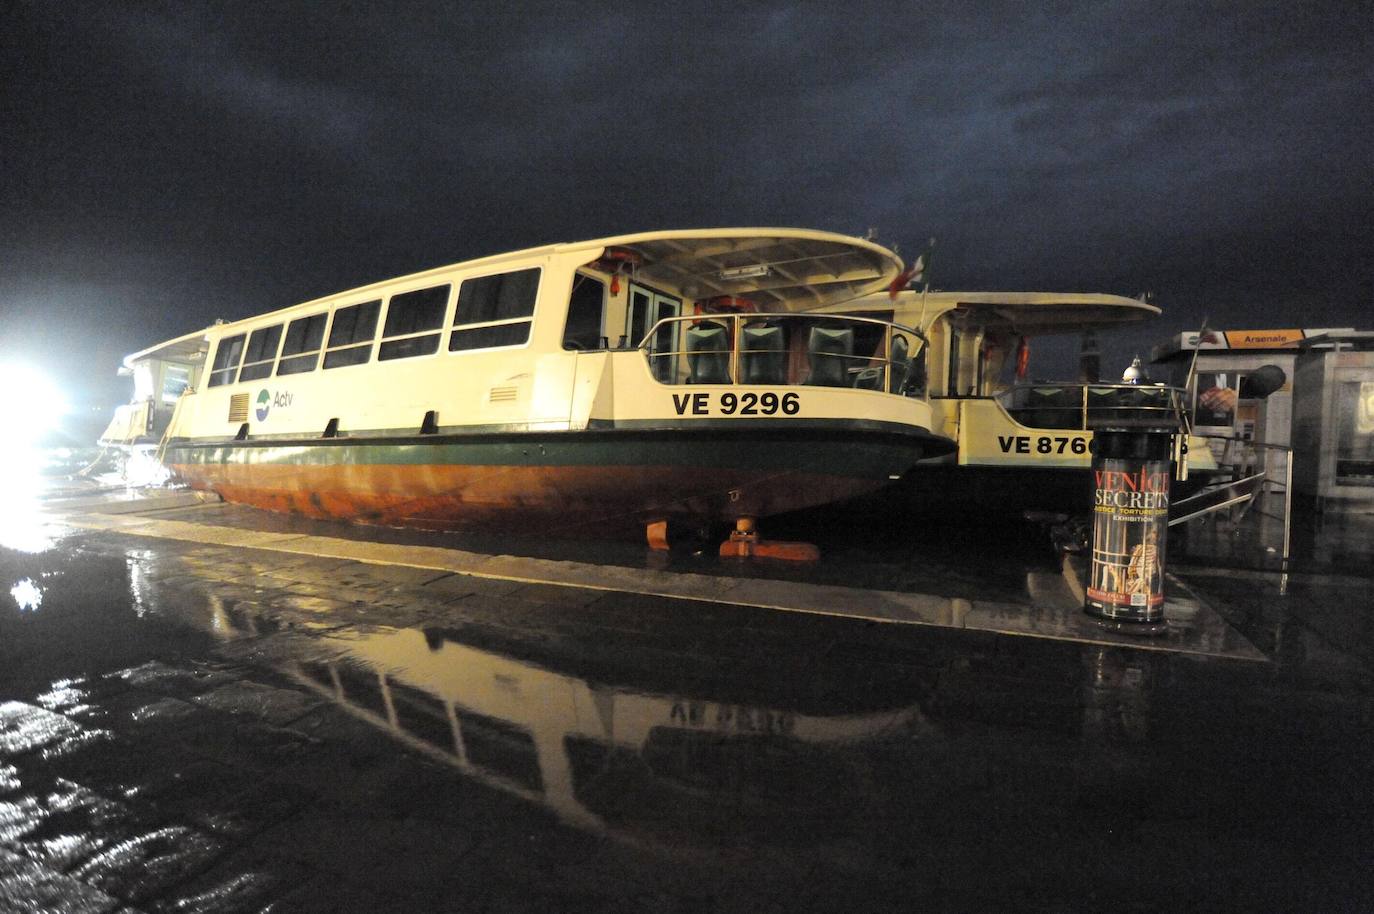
<point>835,452</point>
<point>551,428</point>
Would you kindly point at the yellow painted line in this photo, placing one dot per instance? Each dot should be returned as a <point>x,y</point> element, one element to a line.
<point>1061,622</point>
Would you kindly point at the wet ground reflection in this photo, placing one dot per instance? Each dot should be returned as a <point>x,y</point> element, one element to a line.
<point>190,727</point>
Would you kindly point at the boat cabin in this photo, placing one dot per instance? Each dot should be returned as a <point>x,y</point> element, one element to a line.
<point>160,378</point>
<point>974,341</point>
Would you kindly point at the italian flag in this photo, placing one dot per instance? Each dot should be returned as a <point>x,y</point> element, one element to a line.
<point>913,275</point>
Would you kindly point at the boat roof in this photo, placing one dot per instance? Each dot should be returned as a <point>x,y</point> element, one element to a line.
<point>189,348</point>
<point>780,269</point>
<point>1031,313</point>
<point>802,269</point>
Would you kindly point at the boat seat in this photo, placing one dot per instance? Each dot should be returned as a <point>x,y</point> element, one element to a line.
<point>763,355</point>
<point>1105,405</point>
<point>1050,407</point>
<point>869,379</point>
<point>708,354</point>
<point>829,351</point>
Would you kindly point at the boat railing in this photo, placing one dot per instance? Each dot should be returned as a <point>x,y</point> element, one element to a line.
<point>788,350</point>
<point>1089,406</point>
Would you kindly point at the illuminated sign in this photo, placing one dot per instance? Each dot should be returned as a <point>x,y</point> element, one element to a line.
<point>1263,339</point>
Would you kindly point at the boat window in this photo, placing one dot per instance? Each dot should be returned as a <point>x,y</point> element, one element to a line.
<point>175,379</point>
<point>586,306</point>
<point>350,336</point>
<point>226,364</point>
<point>501,748</point>
<point>300,351</point>
<point>495,310</point>
<point>647,308</point>
<point>260,353</point>
<point>422,715</point>
<point>408,316</point>
<point>956,342</point>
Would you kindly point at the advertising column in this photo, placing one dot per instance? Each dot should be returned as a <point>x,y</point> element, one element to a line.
<point>1131,472</point>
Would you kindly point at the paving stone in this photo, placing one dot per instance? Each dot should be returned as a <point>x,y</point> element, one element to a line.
<point>194,789</point>
<point>79,825</point>
<point>263,702</point>
<point>9,779</point>
<point>26,886</point>
<point>364,843</point>
<point>25,727</point>
<point>248,744</point>
<point>19,816</point>
<point>307,602</point>
<point>334,895</point>
<point>556,595</point>
<point>262,805</point>
<point>176,681</point>
<point>162,710</point>
<point>142,867</point>
<point>77,697</point>
<point>232,888</point>
<point>462,585</point>
<point>337,728</point>
<point>119,767</point>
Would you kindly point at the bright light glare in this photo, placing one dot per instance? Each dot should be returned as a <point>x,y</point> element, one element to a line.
<point>142,469</point>
<point>30,402</point>
<point>31,405</point>
<point>27,595</point>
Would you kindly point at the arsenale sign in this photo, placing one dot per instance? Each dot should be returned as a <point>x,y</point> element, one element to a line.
<point>1130,524</point>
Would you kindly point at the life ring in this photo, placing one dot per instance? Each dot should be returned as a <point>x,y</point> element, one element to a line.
<point>614,259</point>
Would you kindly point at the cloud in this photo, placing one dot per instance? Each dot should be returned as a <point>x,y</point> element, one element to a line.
<point>229,159</point>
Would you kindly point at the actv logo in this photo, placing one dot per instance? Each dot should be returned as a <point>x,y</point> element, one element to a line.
<point>263,405</point>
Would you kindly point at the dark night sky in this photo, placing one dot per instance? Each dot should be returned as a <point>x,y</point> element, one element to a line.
<point>164,165</point>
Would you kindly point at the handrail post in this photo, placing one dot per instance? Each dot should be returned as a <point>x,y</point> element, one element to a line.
<point>736,338</point>
<point>887,359</point>
<point>1287,506</point>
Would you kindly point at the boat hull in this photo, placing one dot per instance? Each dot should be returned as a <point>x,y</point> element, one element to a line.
<point>565,480</point>
<point>937,489</point>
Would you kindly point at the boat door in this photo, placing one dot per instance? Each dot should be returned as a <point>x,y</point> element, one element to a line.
<point>647,307</point>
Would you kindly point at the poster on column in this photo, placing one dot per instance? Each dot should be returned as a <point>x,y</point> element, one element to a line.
<point>1130,523</point>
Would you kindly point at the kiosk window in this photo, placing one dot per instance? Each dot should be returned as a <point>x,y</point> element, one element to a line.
<point>1355,433</point>
<point>1217,393</point>
<point>495,310</point>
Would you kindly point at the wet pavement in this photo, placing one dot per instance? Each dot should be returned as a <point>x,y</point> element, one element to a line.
<point>190,726</point>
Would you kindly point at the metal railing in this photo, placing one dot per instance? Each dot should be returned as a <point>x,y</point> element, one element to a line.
<point>1087,406</point>
<point>1247,470</point>
<point>788,350</point>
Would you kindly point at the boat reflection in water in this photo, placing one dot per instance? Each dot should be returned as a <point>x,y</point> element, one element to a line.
<point>686,754</point>
<point>637,761</point>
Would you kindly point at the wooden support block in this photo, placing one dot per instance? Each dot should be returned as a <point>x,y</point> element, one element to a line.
<point>744,542</point>
<point>657,534</point>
